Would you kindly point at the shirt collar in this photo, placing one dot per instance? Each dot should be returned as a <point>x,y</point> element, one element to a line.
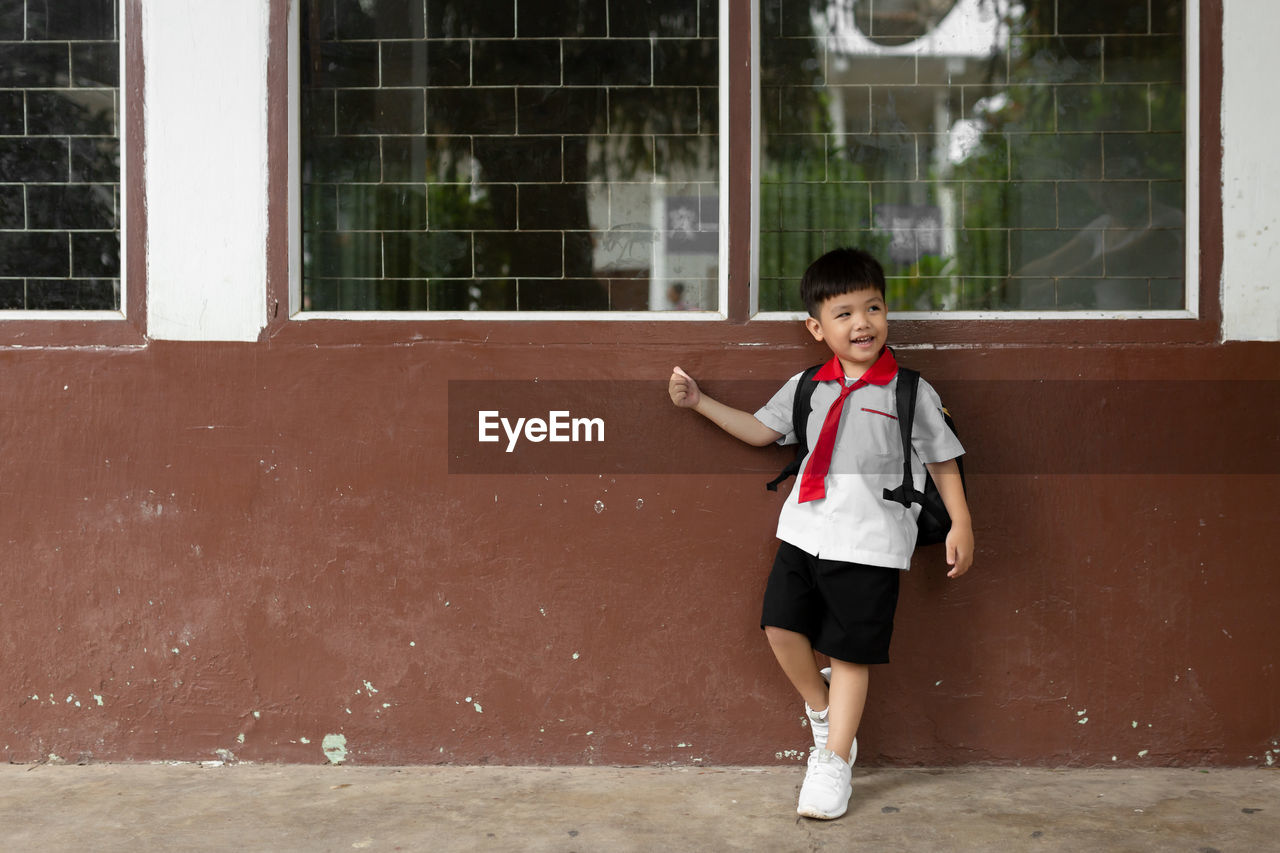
<point>880,373</point>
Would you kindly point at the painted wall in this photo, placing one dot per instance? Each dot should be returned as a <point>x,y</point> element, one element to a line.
<point>254,547</point>
<point>236,540</point>
<point>1251,211</point>
<point>206,168</point>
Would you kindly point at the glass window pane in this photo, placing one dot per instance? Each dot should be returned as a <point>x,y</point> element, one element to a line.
<point>59,155</point>
<point>994,154</point>
<point>510,155</point>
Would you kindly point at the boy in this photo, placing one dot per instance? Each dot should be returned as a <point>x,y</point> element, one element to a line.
<point>834,584</point>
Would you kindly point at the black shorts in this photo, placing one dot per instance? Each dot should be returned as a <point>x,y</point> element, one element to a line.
<point>845,609</point>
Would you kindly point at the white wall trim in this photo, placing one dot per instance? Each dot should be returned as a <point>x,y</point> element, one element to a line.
<point>1250,172</point>
<point>206,168</point>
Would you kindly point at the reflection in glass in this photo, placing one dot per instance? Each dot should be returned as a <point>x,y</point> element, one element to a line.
<point>59,155</point>
<point>449,164</point>
<point>994,154</point>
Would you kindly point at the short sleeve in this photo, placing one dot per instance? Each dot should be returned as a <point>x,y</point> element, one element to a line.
<point>776,414</point>
<point>931,438</point>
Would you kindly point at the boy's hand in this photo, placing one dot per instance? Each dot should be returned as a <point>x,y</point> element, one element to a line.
<point>946,476</point>
<point>959,549</point>
<point>739,424</point>
<point>683,390</point>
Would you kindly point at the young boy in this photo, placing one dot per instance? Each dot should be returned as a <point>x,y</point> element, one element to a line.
<point>834,584</point>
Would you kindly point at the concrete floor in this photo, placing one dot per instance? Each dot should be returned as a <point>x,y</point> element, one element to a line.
<point>310,808</point>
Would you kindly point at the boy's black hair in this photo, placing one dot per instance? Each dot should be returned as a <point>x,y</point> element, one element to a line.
<point>838,272</point>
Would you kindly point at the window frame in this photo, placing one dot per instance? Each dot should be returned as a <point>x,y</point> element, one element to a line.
<point>127,325</point>
<point>295,224</point>
<point>1200,321</point>
<point>1191,182</point>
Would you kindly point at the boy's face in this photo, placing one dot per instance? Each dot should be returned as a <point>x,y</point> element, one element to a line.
<point>855,325</point>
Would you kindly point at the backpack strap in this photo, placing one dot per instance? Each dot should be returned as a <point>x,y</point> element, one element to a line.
<point>800,407</point>
<point>908,383</point>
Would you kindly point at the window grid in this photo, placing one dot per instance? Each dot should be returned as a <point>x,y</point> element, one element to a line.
<point>516,172</point>
<point>59,155</point>
<point>1162,293</point>
<point>1044,175</point>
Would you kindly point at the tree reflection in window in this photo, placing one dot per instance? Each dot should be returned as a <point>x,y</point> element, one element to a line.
<point>997,155</point>
<point>451,164</point>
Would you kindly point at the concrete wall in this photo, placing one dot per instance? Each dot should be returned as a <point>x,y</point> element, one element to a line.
<point>243,534</point>
<point>1251,302</point>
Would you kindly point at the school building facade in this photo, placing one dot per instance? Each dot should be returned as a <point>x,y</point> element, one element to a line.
<point>334,338</point>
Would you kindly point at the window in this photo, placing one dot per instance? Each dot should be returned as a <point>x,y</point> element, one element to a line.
<point>1020,159</point>
<point>997,155</point>
<point>59,155</point>
<point>510,155</point>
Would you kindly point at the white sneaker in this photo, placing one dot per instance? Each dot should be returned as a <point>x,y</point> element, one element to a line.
<point>818,720</point>
<point>826,789</point>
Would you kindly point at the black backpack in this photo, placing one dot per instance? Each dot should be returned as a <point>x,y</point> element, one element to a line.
<point>935,521</point>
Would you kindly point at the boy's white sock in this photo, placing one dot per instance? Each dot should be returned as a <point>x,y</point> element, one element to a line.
<point>818,722</point>
<point>818,719</point>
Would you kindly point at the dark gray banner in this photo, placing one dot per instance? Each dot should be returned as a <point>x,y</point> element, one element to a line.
<point>1007,427</point>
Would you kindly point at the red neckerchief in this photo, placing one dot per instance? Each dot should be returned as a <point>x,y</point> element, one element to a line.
<point>813,481</point>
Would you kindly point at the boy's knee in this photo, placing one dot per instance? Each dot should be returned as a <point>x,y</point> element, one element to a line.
<point>781,636</point>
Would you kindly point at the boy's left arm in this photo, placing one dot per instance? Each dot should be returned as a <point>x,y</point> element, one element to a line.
<point>946,476</point>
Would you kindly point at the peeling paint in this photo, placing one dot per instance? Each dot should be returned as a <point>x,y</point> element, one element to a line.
<point>599,507</point>
<point>335,748</point>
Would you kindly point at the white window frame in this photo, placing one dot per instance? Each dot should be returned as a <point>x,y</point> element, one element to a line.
<point>295,220</point>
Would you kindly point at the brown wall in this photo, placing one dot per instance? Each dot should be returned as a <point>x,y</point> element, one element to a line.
<point>230,546</point>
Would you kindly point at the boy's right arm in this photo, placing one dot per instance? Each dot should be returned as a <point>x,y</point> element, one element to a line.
<point>741,425</point>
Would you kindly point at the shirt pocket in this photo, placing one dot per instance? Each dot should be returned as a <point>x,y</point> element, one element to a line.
<point>881,428</point>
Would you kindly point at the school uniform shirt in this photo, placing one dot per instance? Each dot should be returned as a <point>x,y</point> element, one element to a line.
<point>854,522</point>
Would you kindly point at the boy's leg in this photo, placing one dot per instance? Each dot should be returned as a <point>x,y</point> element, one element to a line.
<point>848,696</point>
<point>795,655</point>
<point>826,789</point>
